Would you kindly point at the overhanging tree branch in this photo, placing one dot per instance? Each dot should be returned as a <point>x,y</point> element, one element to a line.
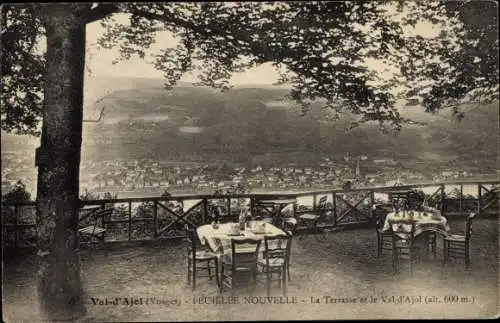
<point>101,11</point>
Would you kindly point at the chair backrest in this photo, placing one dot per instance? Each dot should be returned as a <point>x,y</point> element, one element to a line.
<point>379,214</point>
<point>103,213</point>
<point>275,247</point>
<point>416,200</point>
<point>244,253</point>
<point>468,226</point>
<point>289,224</point>
<point>98,217</point>
<point>399,199</point>
<point>289,243</point>
<point>322,203</point>
<point>215,211</point>
<point>321,207</point>
<point>190,239</point>
<point>402,228</point>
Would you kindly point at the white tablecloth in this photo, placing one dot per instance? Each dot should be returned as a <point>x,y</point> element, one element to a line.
<point>424,221</point>
<point>219,240</point>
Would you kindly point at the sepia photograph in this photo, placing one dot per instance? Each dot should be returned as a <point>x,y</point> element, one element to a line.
<point>250,161</point>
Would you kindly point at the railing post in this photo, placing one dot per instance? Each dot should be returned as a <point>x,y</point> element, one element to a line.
<point>334,204</point>
<point>205,212</point>
<point>479,192</point>
<point>129,220</point>
<point>442,199</point>
<point>252,206</point>
<point>16,225</point>
<point>461,198</point>
<point>295,208</point>
<point>155,218</point>
<point>229,207</point>
<point>372,203</point>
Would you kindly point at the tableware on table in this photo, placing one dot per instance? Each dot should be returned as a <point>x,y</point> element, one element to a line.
<point>234,229</point>
<point>436,215</point>
<point>260,228</point>
<point>242,220</point>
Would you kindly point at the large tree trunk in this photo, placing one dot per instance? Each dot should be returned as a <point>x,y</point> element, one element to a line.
<point>59,284</point>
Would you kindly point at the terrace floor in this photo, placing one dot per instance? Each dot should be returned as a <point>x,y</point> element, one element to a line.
<point>343,266</point>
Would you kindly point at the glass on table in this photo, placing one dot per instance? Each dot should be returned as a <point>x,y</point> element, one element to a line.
<point>251,224</point>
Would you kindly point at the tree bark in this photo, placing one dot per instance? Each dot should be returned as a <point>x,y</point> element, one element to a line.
<point>60,289</point>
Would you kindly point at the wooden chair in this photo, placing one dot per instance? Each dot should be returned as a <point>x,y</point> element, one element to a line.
<point>457,246</point>
<point>213,212</point>
<point>94,227</point>
<point>275,260</point>
<point>433,242</point>
<point>288,252</point>
<point>403,246</point>
<point>241,268</point>
<point>289,224</point>
<point>399,198</point>
<point>384,238</point>
<point>196,256</point>
<point>311,220</point>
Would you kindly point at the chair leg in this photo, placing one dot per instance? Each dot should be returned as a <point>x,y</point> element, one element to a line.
<point>283,278</point>
<point>105,245</point>
<point>434,245</point>
<point>395,260</point>
<point>209,263</point>
<point>189,271</point>
<point>221,282</point>
<point>467,257</point>
<point>268,282</point>
<point>217,272</point>
<point>379,248</point>
<point>194,274</point>
<point>412,258</point>
<point>288,272</point>
<point>445,252</point>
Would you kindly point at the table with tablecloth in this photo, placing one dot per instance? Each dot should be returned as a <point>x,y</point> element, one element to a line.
<point>219,239</point>
<point>424,221</point>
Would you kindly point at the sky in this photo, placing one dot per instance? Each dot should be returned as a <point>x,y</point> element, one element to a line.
<point>99,60</point>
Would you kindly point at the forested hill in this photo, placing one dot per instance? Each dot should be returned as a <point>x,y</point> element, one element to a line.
<point>142,119</point>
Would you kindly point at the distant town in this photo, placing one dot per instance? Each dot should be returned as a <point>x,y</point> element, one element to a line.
<point>148,177</point>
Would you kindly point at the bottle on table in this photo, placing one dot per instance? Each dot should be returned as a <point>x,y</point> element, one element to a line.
<point>242,220</point>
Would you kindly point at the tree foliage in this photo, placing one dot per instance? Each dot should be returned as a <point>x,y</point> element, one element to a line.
<point>322,50</point>
<point>17,194</point>
<point>462,67</point>
<point>22,70</point>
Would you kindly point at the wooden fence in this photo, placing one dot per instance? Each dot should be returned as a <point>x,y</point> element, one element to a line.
<point>151,218</point>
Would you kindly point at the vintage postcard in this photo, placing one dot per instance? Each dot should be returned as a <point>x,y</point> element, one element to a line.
<point>235,161</point>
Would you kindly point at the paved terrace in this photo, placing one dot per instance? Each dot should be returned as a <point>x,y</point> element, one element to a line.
<point>344,266</point>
